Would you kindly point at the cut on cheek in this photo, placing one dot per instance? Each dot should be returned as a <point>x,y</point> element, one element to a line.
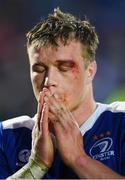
<point>75,72</point>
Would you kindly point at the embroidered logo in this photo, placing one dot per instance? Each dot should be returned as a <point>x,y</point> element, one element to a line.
<point>23,157</point>
<point>101,149</point>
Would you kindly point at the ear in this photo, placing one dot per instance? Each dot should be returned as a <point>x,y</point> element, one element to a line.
<point>91,71</point>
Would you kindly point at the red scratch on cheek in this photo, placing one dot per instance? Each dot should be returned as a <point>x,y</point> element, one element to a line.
<point>75,72</point>
<point>74,69</point>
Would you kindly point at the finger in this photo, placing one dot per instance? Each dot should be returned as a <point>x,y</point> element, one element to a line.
<point>44,120</point>
<point>58,109</point>
<point>59,117</point>
<point>51,116</point>
<point>39,109</point>
<point>54,140</point>
<point>66,119</point>
<point>49,95</point>
<point>54,102</point>
<point>74,122</point>
<point>58,129</point>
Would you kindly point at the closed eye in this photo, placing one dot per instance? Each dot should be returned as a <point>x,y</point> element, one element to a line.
<point>65,66</point>
<point>38,68</point>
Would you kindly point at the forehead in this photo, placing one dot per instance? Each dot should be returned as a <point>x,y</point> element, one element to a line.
<point>73,50</point>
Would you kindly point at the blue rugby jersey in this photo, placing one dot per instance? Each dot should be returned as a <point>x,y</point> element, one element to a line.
<point>104,140</point>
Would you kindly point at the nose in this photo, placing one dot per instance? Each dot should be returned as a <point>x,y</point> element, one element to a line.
<point>51,78</point>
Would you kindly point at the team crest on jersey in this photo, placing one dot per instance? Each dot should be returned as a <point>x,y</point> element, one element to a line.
<point>102,149</point>
<point>23,157</point>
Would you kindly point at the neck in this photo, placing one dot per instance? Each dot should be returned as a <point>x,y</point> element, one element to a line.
<point>85,109</point>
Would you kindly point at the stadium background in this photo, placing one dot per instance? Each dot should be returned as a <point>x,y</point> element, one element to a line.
<point>18,16</point>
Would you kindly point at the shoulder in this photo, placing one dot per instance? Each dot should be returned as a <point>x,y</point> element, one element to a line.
<point>115,110</point>
<point>117,107</point>
<point>13,129</point>
<point>113,114</point>
<point>18,122</point>
<point>105,114</point>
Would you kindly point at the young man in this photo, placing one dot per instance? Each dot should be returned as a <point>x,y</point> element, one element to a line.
<point>72,136</point>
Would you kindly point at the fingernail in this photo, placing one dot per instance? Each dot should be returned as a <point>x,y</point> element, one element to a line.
<point>46,81</point>
<point>45,89</point>
<point>40,93</point>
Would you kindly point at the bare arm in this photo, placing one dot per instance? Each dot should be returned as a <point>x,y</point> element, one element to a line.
<point>32,170</point>
<point>70,145</point>
<point>88,168</point>
<point>42,153</point>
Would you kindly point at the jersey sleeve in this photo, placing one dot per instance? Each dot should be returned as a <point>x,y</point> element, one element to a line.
<point>4,170</point>
<point>122,146</point>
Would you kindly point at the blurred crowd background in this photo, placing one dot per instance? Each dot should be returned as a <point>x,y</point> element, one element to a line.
<point>16,19</point>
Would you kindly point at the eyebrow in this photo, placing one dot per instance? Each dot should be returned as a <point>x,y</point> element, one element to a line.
<point>57,62</point>
<point>39,64</point>
<point>65,61</point>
